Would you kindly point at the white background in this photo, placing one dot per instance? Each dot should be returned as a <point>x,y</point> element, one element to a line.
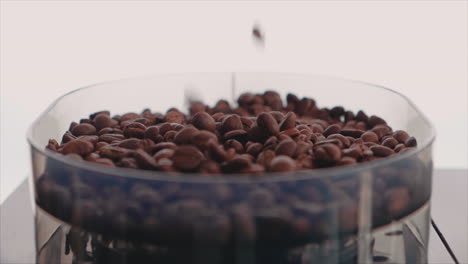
<point>48,48</point>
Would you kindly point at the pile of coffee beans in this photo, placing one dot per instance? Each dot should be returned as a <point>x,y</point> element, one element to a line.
<point>261,134</point>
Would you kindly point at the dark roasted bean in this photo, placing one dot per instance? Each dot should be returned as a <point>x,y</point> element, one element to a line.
<point>370,136</point>
<point>289,121</point>
<point>268,123</point>
<point>390,142</point>
<point>84,129</point>
<point>231,122</point>
<point>355,133</point>
<point>175,116</point>
<point>381,151</point>
<point>282,164</point>
<point>78,146</point>
<point>144,160</point>
<point>109,138</point>
<point>134,129</point>
<point>333,129</point>
<point>152,132</point>
<point>203,121</point>
<point>254,149</point>
<point>187,158</point>
<point>327,153</point>
<point>399,147</point>
<point>286,147</point>
<point>184,136</point>
<point>401,136</point>
<point>411,142</point>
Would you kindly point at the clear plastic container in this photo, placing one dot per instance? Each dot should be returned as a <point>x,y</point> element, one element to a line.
<point>372,212</point>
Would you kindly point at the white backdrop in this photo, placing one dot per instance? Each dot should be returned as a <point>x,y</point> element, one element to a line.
<point>48,48</point>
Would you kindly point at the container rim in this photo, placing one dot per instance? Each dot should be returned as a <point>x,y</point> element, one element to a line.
<point>236,177</point>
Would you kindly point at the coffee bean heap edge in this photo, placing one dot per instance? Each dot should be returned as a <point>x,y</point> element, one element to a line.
<point>261,134</point>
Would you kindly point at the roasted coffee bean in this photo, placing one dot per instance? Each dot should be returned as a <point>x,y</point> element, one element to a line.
<point>184,136</point>
<point>93,139</point>
<point>128,163</point>
<point>143,120</point>
<point>105,162</point>
<point>152,132</point>
<point>327,153</point>
<point>303,106</point>
<point>162,145</point>
<point>265,158</point>
<point>134,129</point>
<point>286,147</point>
<point>170,135</point>
<point>86,121</point>
<point>399,147</point>
<point>109,138</point>
<point>246,122</point>
<point>110,130</point>
<point>273,100</point>
<point>370,136</point>
<point>254,149</point>
<point>268,123</point>
<point>175,116</point>
<point>333,129</point>
<point>292,132</point>
<point>52,145</point>
<point>282,164</point>
<point>210,167</point>
<point>329,141</point>
<point>144,160</point>
<point>302,148</point>
<point>235,164</point>
<point>129,116</point>
<point>289,121</point>
<point>346,161</point>
<point>84,129</point>
<point>187,158</point>
<point>355,133</point>
<point>390,142</point>
<point>232,143</point>
<point>337,111</point>
<point>375,120</point>
<point>203,121</point>
<point>361,116</point>
<point>72,125</point>
<point>92,157</point>
<point>344,140</point>
<point>401,136</point>
<point>278,116</point>
<point>132,143</point>
<point>114,153</point>
<point>78,146</point>
<point>101,121</point>
<point>381,151</point>
<point>201,138</point>
<point>239,135</point>
<point>67,137</point>
<point>381,130</point>
<point>354,152</point>
<point>411,142</point>
<point>231,122</point>
<point>163,153</point>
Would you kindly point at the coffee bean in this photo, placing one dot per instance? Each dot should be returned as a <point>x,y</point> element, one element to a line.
<point>52,145</point>
<point>354,152</point>
<point>289,121</point>
<point>346,161</point>
<point>232,143</point>
<point>92,156</point>
<point>401,136</point>
<point>84,129</point>
<point>303,106</point>
<point>105,162</point>
<point>265,158</point>
<point>128,163</point>
<point>239,135</point>
<point>109,138</point>
<point>399,148</point>
<point>375,120</point>
<point>254,149</point>
<point>337,111</point>
<point>201,138</point>
<point>152,132</point>
<point>282,164</point>
<point>129,116</point>
<point>210,167</point>
<point>134,129</point>
<point>77,146</point>
<point>114,153</point>
<point>355,133</point>
<point>286,147</point>
<point>132,143</point>
<point>278,116</point>
<point>268,124</point>
<point>184,136</point>
<point>390,142</point>
<point>329,141</point>
<point>187,158</point>
<point>361,116</point>
<point>327,153</point>
<point>67,137</point>
<point>370,136</point>
<point>231,122</point>
<point>175,116</point>
<point>381,130</point>
<point>345,142</point>
<point>144,160</point>
<point>101,121</point>
<point>381,151</point>
<point>235,164</point>
<point>411,142</point>
<point>163,153</point>
<point>273,100</point>
<point>203,121</point>
<point>333,129</point>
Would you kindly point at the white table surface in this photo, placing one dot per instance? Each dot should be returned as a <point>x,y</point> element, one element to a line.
<point>449,210</point>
